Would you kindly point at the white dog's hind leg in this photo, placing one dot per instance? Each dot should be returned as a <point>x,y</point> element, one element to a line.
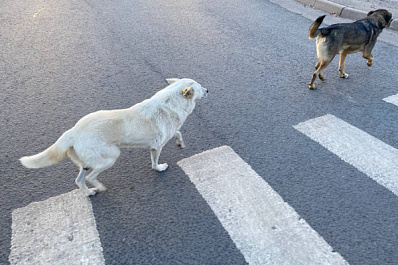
<point>179,140</point>
<point>92,179</point>
<point>155,153</point>
<point>105,158</point>
<point>82,185</point>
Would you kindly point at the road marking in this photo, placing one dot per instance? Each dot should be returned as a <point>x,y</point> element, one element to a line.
<point>392,99</point>
<point>60,230</point>
<point>38,12</point>
<point>368,154</point>
<point>264,228</point>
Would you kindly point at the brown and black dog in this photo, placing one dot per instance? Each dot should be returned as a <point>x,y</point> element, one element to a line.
<point>346,38</point>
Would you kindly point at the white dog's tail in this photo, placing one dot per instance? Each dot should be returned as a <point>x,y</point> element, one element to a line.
<point>51,155</point>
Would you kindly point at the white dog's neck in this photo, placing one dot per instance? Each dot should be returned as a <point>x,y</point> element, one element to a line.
<point>176,105</point>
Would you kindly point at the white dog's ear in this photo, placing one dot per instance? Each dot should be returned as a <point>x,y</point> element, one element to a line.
<point>172,80</point>
<point>188,92</point>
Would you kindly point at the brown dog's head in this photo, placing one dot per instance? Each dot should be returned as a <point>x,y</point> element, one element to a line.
<point>381,18</point>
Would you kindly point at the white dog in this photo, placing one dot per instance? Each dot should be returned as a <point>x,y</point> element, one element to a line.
<point>93,143</point>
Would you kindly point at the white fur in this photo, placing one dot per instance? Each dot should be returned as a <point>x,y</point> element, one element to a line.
<point>94,142</point>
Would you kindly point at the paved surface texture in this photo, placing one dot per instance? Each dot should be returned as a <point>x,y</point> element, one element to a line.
<point>354,9</point>
<point>368,5</point>
<point>61,60</point>
<point>306,9</point>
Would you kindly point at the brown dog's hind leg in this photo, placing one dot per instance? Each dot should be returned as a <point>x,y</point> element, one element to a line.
<point>312,83</point>
<point>314,75</point>
<point>320,65</point>
<point>320,75</point>
<point>342,72</point>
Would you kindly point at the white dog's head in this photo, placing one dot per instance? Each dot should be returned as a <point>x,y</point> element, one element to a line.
<point>190,89</point>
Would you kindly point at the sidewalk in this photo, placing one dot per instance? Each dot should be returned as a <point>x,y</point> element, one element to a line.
<point>355,9</point>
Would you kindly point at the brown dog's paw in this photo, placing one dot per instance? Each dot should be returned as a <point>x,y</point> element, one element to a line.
<point>312,86</point>
<point>343,75</point>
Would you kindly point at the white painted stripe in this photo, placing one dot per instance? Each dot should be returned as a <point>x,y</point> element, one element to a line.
<point>368,154</point>
<point>60,230</point>
<point>392,99</point>
<point>264,228</point>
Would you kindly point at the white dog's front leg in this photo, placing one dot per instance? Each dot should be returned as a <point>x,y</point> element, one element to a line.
<point>179,140</point>
<point>155,153</point>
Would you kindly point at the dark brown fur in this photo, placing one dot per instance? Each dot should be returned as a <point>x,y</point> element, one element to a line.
<point>346,38</point>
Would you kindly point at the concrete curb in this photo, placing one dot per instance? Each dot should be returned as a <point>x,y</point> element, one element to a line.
<point>341,11</point>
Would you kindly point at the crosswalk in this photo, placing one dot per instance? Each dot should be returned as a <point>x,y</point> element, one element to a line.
<point>392,99</point>
<point>59,230</point>
<point>369,155</point>
<point>264,228</point>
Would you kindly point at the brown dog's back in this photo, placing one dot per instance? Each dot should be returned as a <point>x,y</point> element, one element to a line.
<point>346,38</point>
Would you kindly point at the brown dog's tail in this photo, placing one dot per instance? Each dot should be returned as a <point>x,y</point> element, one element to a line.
<point>314,27</point>
<point>51,155</point>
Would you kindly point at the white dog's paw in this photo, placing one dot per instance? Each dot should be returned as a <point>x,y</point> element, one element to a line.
<point>161,167</point>
<point>98,185</point>
<point>181,144</point>
<point>101,187</point>
<point>91,192</point>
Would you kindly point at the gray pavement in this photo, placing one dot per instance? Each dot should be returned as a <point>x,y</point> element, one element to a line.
<point>306,8</point>
<point>354,9</point>
<point>251,53</point>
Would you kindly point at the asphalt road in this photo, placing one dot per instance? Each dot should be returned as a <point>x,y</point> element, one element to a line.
<point>61,60</point>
